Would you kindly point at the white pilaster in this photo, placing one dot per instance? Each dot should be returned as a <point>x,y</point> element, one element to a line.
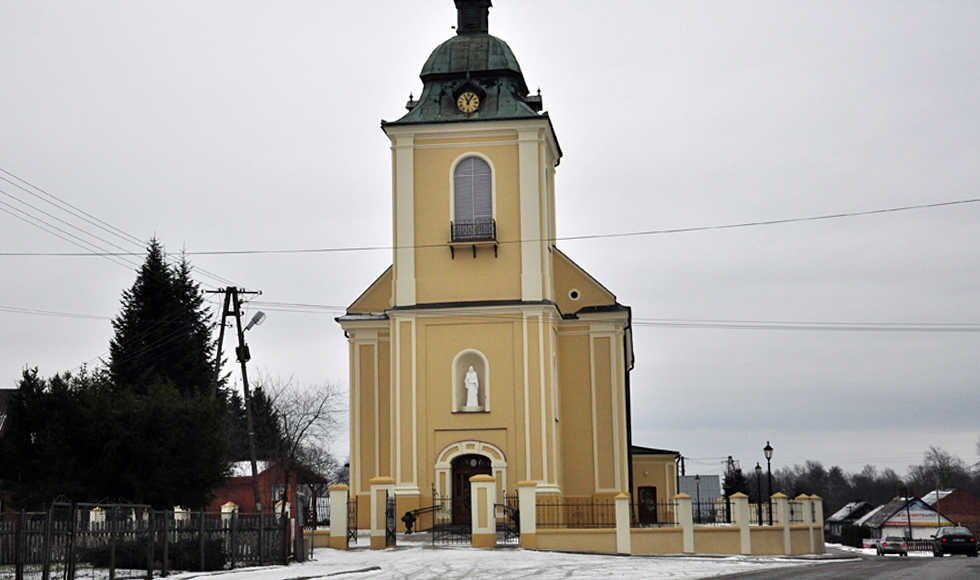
<point>404,151</point>
<point>532,281</point>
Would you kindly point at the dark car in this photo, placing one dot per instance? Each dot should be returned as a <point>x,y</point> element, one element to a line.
<point>892,545</point>
<point>954,540</point>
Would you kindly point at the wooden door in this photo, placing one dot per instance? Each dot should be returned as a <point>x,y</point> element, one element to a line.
<point>464,468</point>
<point>647,505</point>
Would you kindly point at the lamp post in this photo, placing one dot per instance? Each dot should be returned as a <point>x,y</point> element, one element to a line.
<point>768,451</point>
<point>243,355</point>
<point>697,484</point>
<point>758,490</point>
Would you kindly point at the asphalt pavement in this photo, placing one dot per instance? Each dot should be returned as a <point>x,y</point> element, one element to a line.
<point>876,568</point>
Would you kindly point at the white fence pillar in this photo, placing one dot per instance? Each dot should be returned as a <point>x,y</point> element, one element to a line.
<point>623,540</point>
<point>338,516</point>
<point>685,518</point>
<point>741,517</point>
<point>782,512</point>
<point>483,496</point>
<point>381,487</point>
<point>527,503</point>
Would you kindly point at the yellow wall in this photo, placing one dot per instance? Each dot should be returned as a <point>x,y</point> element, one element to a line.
<point>717,540</point>
<point>576,413</point>
<point>593,541</point>
<point>767,541</point>
<point>657,540</point>
<point>799,537</point>
<point>482,278</point>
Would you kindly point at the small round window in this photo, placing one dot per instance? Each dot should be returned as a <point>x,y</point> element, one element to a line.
<point>574,294</point>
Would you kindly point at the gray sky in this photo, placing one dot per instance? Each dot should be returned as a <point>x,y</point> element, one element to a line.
<point>246,125</point>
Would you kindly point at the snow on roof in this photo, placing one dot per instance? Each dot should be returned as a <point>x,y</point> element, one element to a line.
<point>847,511</point>
<point>868,516</point>
<point>931,499</point>
<point>244,468</point>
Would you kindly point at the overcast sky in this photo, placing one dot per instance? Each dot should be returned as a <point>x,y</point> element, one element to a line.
<point>245,125</point>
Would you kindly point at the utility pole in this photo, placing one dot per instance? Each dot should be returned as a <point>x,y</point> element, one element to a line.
<point>232,307</point>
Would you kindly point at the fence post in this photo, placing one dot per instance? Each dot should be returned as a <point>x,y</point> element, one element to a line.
<point>527,505</point>
<point>150,531</point>
<point>781,506</point>
<point>380,487</point>
<point>46,568</point>
<point>165,570</point>
<point>816,503</point>
<point>70,555</point>
<point>483,498</point>
<point>19,542</point>
<point>623,539</point>
<point>299,549</point>
<point>685,517</point>
<point>338,516</point>
<point>740,507</point>
<point>113,527</point>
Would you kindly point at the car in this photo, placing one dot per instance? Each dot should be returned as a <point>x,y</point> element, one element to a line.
<point>892,545</point>
<point>954,540</point>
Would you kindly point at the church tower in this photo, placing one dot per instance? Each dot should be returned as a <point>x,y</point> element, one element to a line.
<point>483,349</point>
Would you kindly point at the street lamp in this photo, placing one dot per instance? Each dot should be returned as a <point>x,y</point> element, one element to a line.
<point>768,451</point>
<point>243,355</point>
<point>697,484</point>
<point>758,490</point>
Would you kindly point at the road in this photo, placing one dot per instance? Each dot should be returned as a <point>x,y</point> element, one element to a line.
<point>877,568</point>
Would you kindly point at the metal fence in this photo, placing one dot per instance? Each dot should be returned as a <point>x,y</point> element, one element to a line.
<point>795,513</point>
<point>133,541</point>
<point>576,513</point>
<point>654,515</point>
<point>711,513</point>
<point>508,516</point>
<point>761,514</point>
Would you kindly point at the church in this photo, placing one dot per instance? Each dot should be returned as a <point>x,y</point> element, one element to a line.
<point>484,349</point>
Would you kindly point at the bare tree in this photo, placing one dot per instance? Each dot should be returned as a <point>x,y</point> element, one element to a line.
<point>308,421</point>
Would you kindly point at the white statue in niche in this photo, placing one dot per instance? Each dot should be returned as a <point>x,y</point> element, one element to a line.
<point>472,384</point>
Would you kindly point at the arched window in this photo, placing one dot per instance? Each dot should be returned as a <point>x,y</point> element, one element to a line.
<point>473,200</point>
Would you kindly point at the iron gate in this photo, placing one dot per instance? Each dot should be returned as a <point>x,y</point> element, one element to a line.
<point>352,521</point>
<point>390,507</point>
<point>508,520</point>
<point>444,531</point>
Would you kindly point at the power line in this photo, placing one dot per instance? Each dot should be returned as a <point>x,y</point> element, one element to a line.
<point>85,217</point>
<point>669,231</point>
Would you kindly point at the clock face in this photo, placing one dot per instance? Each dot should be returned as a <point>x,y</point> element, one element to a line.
<point>468,102</point>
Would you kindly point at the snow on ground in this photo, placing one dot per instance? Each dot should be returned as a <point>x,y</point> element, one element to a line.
<point>417,561</point>
<point>872,552</point>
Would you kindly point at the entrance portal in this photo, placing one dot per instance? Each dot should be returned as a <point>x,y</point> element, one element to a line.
<point>465,467</point>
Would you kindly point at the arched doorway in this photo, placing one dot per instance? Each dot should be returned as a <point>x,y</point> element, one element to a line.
<point>463,468</point>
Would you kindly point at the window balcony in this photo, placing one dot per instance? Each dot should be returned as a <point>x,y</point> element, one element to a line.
<point>478,230</point>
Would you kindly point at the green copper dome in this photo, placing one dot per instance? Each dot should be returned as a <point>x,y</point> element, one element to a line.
<point>472,53</point>
<point>475,62</point>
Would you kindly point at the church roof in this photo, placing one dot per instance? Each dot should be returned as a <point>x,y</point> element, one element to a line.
<point>476,61</point>
<point>467,53</point>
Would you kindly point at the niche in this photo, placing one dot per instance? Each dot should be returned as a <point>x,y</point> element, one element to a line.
<point>471,390</point>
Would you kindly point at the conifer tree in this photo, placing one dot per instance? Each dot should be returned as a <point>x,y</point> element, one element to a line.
<point>164,331</point>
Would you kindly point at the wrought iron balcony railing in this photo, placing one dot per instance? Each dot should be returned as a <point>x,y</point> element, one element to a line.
<point>479,230</point>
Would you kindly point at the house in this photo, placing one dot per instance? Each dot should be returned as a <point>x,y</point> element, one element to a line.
<point>654,481</point>
<point>484,349</point>
<point>840,526</point>
<point>238,489</point>
<point>894,517</point>
<point>960,507</point>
